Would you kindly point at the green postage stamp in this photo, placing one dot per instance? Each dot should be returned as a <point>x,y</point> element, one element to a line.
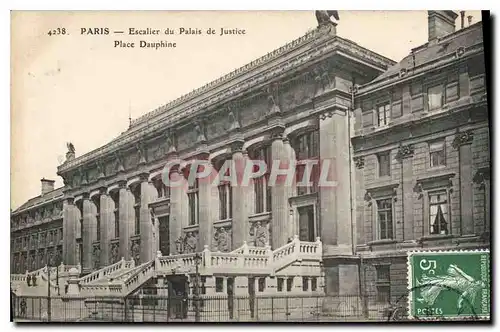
<point>449,285</point>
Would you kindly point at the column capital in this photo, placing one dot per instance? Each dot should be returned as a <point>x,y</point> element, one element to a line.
<point>85,195</point>
<point>144,176</point>
<point>70,199</point>
<point>404,151</point>
<point>236,146</point>
<point>359,162</point>
<point>463,138</point>
<point>122,183</point>
<point>277,133</point>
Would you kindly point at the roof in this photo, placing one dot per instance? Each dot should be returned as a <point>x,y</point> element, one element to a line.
<point>430,51</point>
<point>54,195</point>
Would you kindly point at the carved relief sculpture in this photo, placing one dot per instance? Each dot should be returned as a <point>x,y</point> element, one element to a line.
<point>222,238</point>
<point>119,167</point>
<point>233,121</point>
<point>272,98</point>
<point>190,243</point>
<point>96,256</point>
<point>136,251</point>
<point>199,132</point>
<point>141,152</point>
<point>179,245</point>
<point>169,140</point>
<point>261,235</point>
<point>114,252</point>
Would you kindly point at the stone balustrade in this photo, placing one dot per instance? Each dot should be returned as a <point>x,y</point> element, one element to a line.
<point>106,271</point>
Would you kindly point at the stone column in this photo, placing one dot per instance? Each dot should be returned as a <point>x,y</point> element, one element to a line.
<point>70,224</point>
<point>359,163</point>
<point>146,225</point>
<point>107,227</point>
<point>240,200</point>
<point>124,222</point>
<point>88,236</point>
<point>177,216</point>
<point>463,142</point>
<point>292,228</point>
<point>279,192</point>
<point>205,223</point>
<point>334,196</point>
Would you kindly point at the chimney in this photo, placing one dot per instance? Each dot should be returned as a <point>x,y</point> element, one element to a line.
<point>440,23</point>
<point>47,185</point>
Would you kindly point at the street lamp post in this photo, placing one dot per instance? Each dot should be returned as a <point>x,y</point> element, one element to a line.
<point>197,261</point>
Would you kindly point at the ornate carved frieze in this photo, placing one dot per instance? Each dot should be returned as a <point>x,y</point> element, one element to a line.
<point>222,239</point>
<point>404,151</point>
<point>322,79</point>
<point>233,118</point>
<point>463,138</point>
<point>119,163</point>
<point>141,152</point>
<point>260,233</point>
<point>271,92</point>
<point>199,129</point>
<point>170,141</point>
<point>297,92</point>
<point>100,170</point>
<point>359,162</point>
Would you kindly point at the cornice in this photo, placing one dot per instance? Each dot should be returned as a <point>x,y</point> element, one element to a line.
<point>199,101</point>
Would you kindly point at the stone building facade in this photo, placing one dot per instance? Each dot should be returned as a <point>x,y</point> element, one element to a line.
<point>37,231</point>
<point>407,144</point>
<point>422,156</point>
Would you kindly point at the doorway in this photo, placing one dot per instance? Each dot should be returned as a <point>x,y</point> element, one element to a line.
<point>164,235</point>
<point>306,223</point>
<point>177,297</point>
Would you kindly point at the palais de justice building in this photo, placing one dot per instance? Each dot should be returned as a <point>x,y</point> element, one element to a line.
<point>408,142</point>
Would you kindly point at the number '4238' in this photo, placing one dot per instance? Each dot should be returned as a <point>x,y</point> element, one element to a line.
<point>57,31</point>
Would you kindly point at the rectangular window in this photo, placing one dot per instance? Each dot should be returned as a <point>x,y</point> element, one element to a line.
<point>219,285</point>
<point>289,284</point>
<point>305,284</point>
<point>438,213</point>
<point>383,114</point>
<point>314,284</point>
<point>117,223</point>
<point>280,284</point>
<point>384,164</point>
<point>435,97</point>
<point>225,201</point>
<point>384,217</point>
<point>383,284</point>
<point>436,154</point>
<point>261,190</point>
<point>137,228</point>
<point>262,284</point>
<point>194,205</point>
<point>306,146</point>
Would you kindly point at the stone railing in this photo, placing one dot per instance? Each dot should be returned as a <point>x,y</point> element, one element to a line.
<point>17,278</point>
<point>96,275</point>
<point>53,287</point>
<point>261,251</point>
<point>135,280</point>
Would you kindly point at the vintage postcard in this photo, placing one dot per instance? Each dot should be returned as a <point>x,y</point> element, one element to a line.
<point>250,166</point>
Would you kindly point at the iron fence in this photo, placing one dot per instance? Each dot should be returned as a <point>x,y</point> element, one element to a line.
<point>158,308</point>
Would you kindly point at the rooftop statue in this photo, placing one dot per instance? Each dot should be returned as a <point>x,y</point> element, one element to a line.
<point>71,151</point>
<point>323,16</point>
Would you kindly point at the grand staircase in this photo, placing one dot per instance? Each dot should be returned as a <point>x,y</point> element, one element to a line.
<point>123,278</point>
<point>20,286</point>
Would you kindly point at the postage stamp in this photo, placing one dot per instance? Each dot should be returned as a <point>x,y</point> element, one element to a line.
<point>449,285</point>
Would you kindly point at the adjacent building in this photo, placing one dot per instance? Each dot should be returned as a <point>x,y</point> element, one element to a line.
<point>408,144</point>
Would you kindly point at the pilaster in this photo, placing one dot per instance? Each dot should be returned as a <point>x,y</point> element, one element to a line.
<point>70,224</point>
<point>334,190</point>
<point>205,226</point>
<point>463,142</point>
<point>177,215</point>
<point>404,156</point>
